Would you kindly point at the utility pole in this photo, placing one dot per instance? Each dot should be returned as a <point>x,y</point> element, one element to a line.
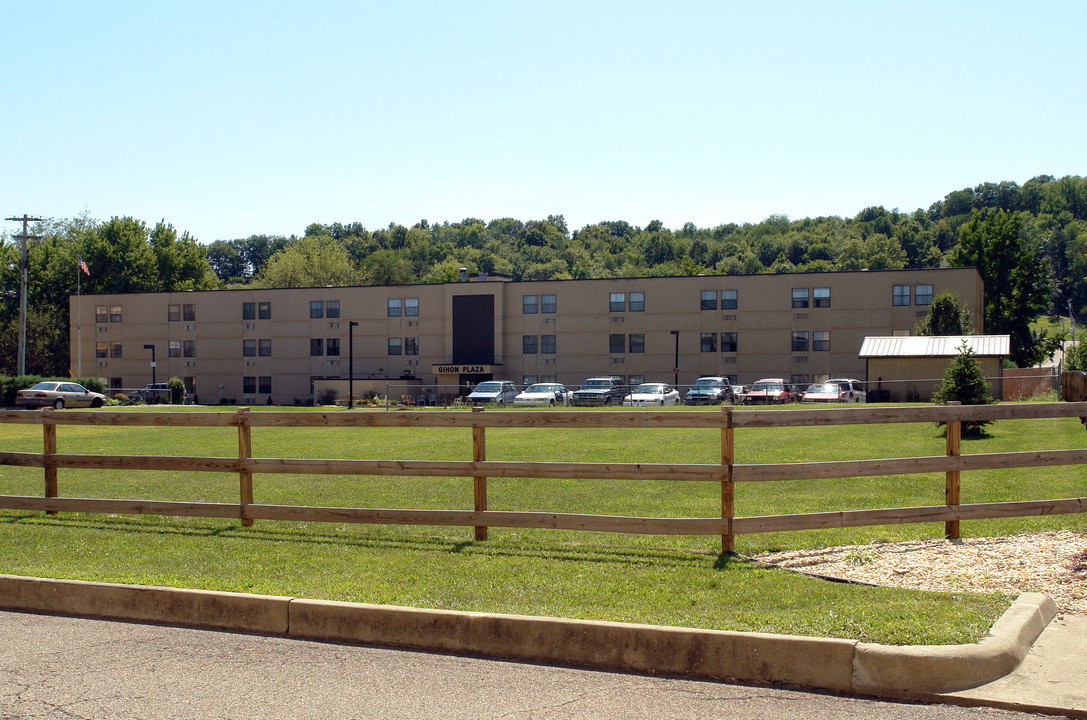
<point>25,220</point>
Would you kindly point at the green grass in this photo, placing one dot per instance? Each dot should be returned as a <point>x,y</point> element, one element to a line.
<point>632,578</point>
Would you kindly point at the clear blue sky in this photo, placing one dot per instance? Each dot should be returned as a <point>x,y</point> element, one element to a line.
<point>228,119</point>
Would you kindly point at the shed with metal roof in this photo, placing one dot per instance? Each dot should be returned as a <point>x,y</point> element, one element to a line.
<point>910,367</point>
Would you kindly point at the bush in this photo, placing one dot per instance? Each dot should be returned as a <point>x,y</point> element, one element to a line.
<point>177,391</point>
<point>326,397</point>
<point>964,381</point>
<point>1075,358</point>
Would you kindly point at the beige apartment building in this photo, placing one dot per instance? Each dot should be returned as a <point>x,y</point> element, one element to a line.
<point>260,346</point>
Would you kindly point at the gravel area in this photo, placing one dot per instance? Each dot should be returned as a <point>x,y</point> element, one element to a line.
<point>1054,563</point>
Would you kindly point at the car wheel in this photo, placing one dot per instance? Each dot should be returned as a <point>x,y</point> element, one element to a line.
<point>551,402</point>
<point>96,403</point>
<point>607,401</point>
<point>59,403</point>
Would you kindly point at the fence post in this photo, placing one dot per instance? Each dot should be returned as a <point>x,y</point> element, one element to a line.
<point>245,477</point>
<point>479,454</point>
<point>951,482</point>
<point>728,499</point>
<point>49,447</point>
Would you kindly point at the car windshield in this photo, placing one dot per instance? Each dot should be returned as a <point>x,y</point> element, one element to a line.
<point>704,383</point>
<point>540,388</point>
<point>767,387</point>
<point>825,388</point>
<point>596,383</point>
<point>488,387</point>
<point>650,389</point>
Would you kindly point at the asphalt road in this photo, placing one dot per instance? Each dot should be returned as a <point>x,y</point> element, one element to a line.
<point>59,667</point>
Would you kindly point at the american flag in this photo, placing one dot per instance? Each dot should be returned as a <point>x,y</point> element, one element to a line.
<point>83,267</point>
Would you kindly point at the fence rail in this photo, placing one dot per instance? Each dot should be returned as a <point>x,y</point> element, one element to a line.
<point>726,473</point>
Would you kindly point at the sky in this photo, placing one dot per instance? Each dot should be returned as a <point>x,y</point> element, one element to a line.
<point>228,119</point>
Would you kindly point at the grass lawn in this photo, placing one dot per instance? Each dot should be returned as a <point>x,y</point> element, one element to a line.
<point>632,578</point>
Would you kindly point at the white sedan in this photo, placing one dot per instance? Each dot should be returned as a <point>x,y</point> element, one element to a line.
<point>544,394</point>
<point>652,394</point>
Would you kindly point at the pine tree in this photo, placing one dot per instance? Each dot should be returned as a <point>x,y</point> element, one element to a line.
<point>964,381</point>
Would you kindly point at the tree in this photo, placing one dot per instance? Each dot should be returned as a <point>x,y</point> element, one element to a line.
<point>315,261</point>
<point>964,381</point>
<point>947,315</point>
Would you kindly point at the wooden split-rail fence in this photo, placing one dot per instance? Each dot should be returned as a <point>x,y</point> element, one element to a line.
<point>726,473</point>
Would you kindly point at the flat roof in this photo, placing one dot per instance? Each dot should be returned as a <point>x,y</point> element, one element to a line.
<point>906,346</point>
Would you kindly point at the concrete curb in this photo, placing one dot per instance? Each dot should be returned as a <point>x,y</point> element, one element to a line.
<point>824,663</point>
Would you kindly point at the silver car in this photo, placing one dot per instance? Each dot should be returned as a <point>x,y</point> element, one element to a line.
<point>59,394</point>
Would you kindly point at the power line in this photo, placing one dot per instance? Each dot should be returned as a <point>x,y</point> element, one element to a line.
<point>23,238</point>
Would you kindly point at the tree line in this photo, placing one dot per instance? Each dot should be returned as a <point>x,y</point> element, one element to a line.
<point>1028,241</point>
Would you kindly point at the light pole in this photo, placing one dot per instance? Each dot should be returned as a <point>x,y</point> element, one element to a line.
<point>351,363</point>
<point>25,220</point>
<point>675,368</point>
<point>152,349</point>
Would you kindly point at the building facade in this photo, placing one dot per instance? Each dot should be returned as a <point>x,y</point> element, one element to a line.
<point>257,346</point>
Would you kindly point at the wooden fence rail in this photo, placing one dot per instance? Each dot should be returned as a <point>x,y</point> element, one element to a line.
<point>727,473</point>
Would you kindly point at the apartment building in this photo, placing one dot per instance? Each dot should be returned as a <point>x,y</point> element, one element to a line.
<point>258,346</point>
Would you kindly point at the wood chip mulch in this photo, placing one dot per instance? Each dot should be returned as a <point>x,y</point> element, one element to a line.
<point>1053,563</point>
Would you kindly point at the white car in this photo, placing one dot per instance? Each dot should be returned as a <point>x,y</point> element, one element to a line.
<point>852,390</point>
<point>652,394</point>
<point>544,394</point>
<point>499,392</point>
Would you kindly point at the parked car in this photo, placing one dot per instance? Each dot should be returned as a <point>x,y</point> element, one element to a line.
<point>499,392</point>
<point>59,394</point>
<point>543,394</point>
<point>600,391</point>
<point>738,392</point>
<point>652,394</point>
<point>709,391</point>
<point>770,391</point>
<point>823,393</point>
<point>854,389</point>
<point>152,392</point>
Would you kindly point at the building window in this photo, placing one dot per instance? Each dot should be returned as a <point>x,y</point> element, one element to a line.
<point>189,348</point>
<point>529,305</point>
<point>101,313</point>
<point>529,344</point>
<point>188,312</point>
<point>395,307</point>
<point>173,313</point>
<point>332,346</point>
<point>316,347</point>
<point>922,294</point>
<point>636,342</point>
<point>264,348</point>
<point>115,349</point>
<point>729,299</point>
<point>249,311</point>
<point>901,295</point>
<point>101,349</point>
<point>332,308</point>
<point>800,340</point>
<point>527,380</point>
<point>316,309</point>
<point>709,300</point>
<point>265,384</point>
<point>800,297</point>
<point>637,302</point>
<point>820,341</point>
<point>411,307</point>
<point>547,304</point>
<point>174,348</point>
<point>547,344</point>
<point>617,302</point>
<point>708,342</point>
<point>249,348</point>
<point>249,385</point>
<point>728,342</point>
<point>395,346</point>
<point>115,313</point>
<point>616,344</point>
<point>264,311</point>
<point>411,346</point>
<point>822,297</point>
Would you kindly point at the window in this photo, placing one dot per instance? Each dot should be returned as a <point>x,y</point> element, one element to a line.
<point>616,344</point>
<point>637,302</point>
<point>800,340</point>
<point>174,348</point>
<point>527,380</point>
<point>547,344</point>
<point>173,313</point>
<point>822,297</point>
<point>332,346</point>
<point>249,311</point>
<point>264,348</point>
<point>395,307</point>
<point>316,309</point>
<point>820,341</point>
<point>529,344</point>
<point>101,313</point>
<point>249,348</point>
<point>529,305</point>
<point>636,342</point>
<point>617,302</point>
<point>264,311</point>
<point>115,349</point>
<point>800,297</point>
<point>709,300</point>
<point>114,313</point>
<point>101,349</point>
<point>708,342</point>
<point>728,299</point>
<point>190,348</point>
<point>265,384</point>
<point>922,294</point>
<point>188,312</point>
<point>316,347</point>
<point>901,295</point>
<point>395,346</point>
<point>411,307</point>
<point>728,342</point>
<point>332,309</point>
<point>547,303</point>
<point>249,385</point>
<point>411,346</point>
